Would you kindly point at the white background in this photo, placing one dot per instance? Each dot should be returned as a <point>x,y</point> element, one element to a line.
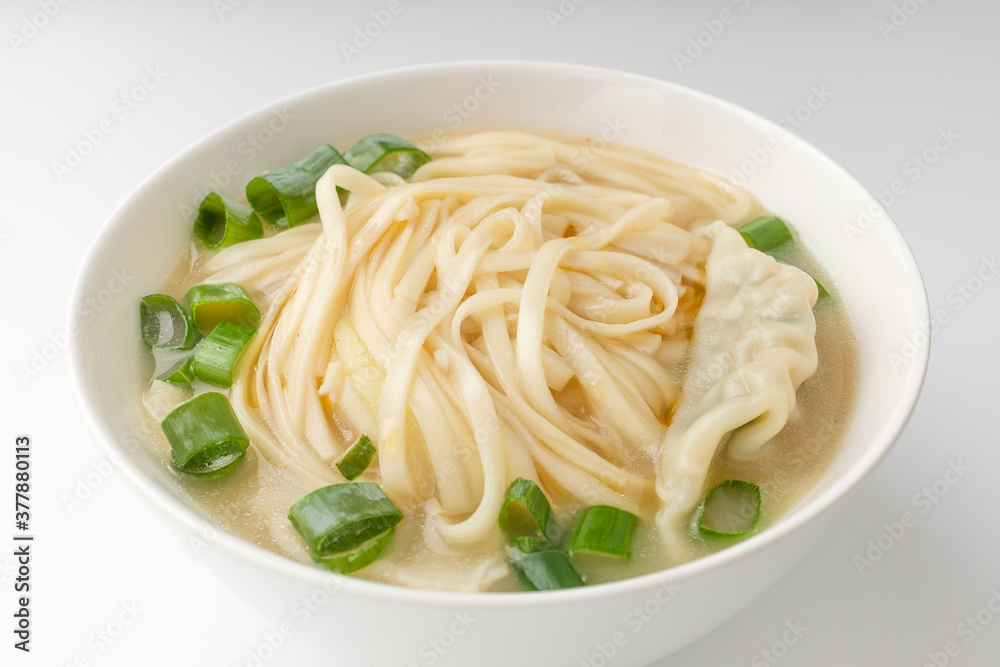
<point>889,93</point>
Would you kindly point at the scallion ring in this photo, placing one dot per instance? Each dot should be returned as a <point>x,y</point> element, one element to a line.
<point>180,374</point>
<point>205,436</point>
<point>342,517</point>
<point>351,561</point>
<point>603,529</point>
<point>546,570</point>
<point>357,458</point>
<point>165,323</point>
<point>225,302</point>
<point>286,197</point>
<point>224,222</point>
<point>386,152</point>
<point>527,544</point>
<point>765,233</point>
<point>731,509</point>
<point>526,511</point>
<point>216,356</point>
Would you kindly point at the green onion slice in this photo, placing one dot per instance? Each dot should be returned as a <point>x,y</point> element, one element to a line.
<point>286,197</point>
<point>526,511</point>
<point>765,233</point>
<point>546,570</point>
<point>205,436</point>
<point>224,222</point>
<point>226,302</point>
<point>180,374</point>
<point>604,529</point>
<point>342,517</point>
<point>357,459</point>
<point>164,323</point>
<point>216,356</point>
<point>527,545</point>
<point>366,554</point>
<point>819,286</point>
<point>731,509</point>
<point>386,152</point>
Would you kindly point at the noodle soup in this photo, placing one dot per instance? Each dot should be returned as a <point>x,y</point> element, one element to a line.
<point>511,311</point>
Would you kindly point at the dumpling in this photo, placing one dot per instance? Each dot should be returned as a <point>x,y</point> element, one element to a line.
<point>754,344</point>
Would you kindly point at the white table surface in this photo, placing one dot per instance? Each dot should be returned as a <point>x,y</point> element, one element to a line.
<point>888,79</point>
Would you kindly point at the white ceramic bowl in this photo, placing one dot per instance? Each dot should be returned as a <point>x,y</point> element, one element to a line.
<point>638,620</point>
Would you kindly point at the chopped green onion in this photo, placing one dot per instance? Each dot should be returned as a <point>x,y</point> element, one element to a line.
<point>180,374</point>
<point>164,323</point>
<point>205,436</point>
<point>342,517</point>
<point>357,459</point>
<point>731,509</point>
<point>350,561</point>
<point>286,197</point>
<point>525,511</point>
<point>527,545</point>
<point>765,233</point>
<point>605,530</point>
<point>216,356</point>
<point>224,222</point>
<point>386,152</point>
<point>546,570</point>
<point>226,302</point>
<point>819,286</point>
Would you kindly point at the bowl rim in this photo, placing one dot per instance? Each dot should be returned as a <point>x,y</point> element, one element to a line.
<point>885,437</point>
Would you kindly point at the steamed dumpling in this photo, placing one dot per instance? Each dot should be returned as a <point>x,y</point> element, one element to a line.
<point>754,344</point>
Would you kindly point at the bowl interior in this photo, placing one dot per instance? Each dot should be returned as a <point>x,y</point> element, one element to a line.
<point>840,222</point>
